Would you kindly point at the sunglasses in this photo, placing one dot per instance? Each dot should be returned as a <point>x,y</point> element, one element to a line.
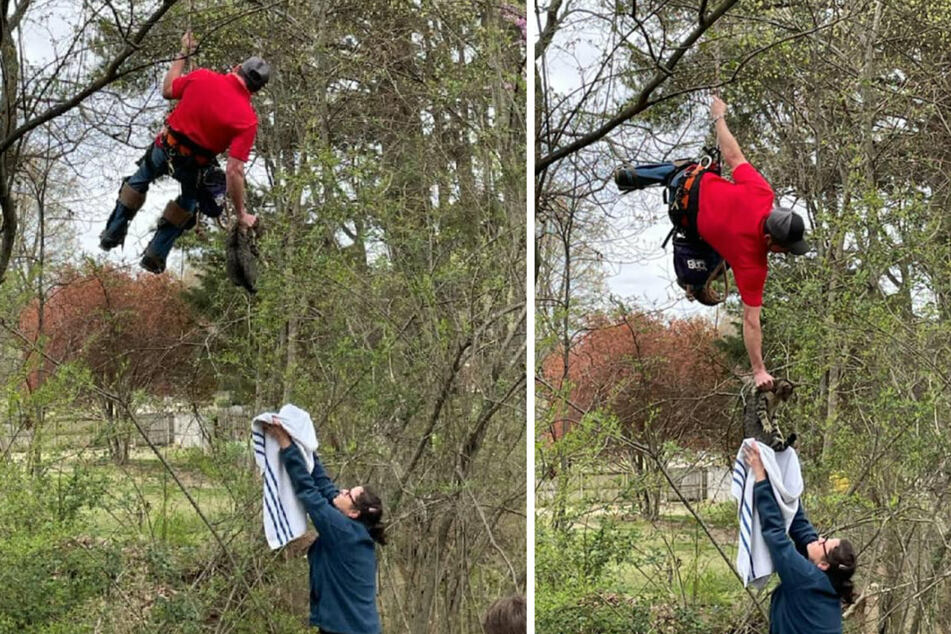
<point>350,495</point>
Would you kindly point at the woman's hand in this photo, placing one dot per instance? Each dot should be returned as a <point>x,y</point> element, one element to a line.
<point>277,432</point>
<point>751,453</point>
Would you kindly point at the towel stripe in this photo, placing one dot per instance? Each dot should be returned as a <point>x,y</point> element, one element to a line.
<point>282,514</point>
<point>746,537</point>
<point>270,512</point>
<point>280,532</point>
<point>280,503</point>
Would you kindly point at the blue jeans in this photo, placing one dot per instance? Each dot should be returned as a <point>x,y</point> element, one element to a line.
<point>152,166</point>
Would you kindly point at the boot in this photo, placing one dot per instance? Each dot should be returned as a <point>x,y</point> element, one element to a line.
<point>152,262</point>
<point>174,222</point>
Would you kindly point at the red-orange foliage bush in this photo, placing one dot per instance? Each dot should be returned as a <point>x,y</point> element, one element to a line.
<point>132,333</point>
<point>663,380</point>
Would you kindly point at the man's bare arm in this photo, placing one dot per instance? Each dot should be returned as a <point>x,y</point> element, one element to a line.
<point>178,64</point>
<point>753,339</point>
<point>729,148</point>
<point>234,179</point>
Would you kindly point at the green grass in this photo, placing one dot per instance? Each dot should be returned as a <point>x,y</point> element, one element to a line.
<point>142,497</point>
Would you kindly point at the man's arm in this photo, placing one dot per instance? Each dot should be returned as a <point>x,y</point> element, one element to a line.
<point>178,65</point>
<point>234,181</point>
<point>753,339</point>
<point>729,148</point>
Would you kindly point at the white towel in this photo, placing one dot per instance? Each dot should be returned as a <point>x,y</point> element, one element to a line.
<point>284,515</point>
<point>752,558</point>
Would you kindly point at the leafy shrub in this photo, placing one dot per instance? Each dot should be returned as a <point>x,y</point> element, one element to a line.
<point>44,576</point>
<point>591,615</point>
<point>581,557</point>
<point>36,502</point>
<point>43,572</point>
<point>719,514</point>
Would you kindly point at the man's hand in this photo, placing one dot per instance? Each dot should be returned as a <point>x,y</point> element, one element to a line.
<point>246,221</point>
<point>751,453</point>
<point>277,432</point>
<point>188,43</point>
<point>763,381</point>
<point>717,108</point>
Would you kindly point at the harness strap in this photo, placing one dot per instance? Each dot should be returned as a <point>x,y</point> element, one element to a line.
<point>178,143</point>
<point>708,287</point>
<point>670,234</point>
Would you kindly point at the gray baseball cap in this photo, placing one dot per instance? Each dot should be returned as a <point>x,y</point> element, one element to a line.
<point>256,72</point>
<point>787,229</point>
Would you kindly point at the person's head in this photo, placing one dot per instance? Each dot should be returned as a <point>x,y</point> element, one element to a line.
<point>254,72</point>
<point>506,616</point>
<point>363,505</point>
<point>785,231</point>
<point>836,558</point>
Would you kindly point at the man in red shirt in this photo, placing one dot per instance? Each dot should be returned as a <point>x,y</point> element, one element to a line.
<point>214,114</point>
<point>739,221</point>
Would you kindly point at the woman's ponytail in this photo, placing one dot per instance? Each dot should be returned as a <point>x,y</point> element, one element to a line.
<point>371,514</point>
<point>841,568</point>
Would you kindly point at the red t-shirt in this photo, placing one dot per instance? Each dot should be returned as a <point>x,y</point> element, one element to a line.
<point>731,219</point>
<point>215,112</point>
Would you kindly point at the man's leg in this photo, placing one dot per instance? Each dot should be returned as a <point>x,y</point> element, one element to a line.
<point>132,196</point>
<point>178,216</point>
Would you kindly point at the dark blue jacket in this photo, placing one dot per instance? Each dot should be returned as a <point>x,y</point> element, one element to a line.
<point>342,559</point>
<point>804,602</point>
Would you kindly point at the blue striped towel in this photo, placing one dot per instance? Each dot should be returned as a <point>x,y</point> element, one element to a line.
<point>284,517</point>
<point>752,557</point>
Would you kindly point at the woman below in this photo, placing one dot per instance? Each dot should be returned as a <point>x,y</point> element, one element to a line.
<point>815,573</point>
<point>343,557</point>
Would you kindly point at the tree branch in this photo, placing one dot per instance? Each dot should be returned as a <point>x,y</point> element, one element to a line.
<point>641,101</point>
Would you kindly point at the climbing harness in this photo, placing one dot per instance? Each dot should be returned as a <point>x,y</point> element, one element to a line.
<point>177,145</point>
<point>682,195</point>
<point>698,267</point>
